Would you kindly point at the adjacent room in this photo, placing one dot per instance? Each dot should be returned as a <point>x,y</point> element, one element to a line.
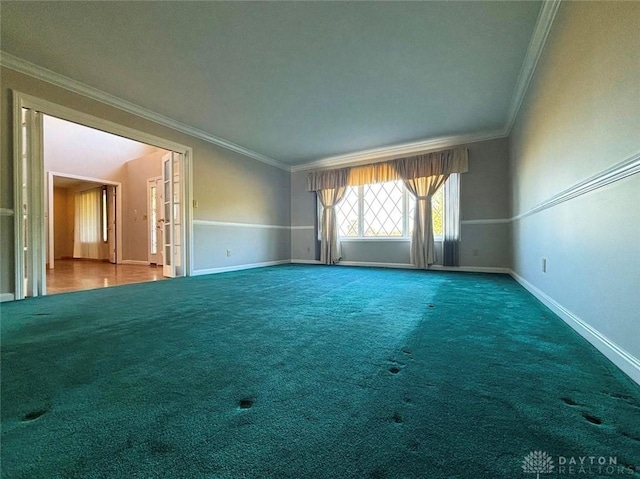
<point>402,239</point>
<point>92,240</point>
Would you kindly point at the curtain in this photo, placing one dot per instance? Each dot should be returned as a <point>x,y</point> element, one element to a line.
<point>330,252</point>
<point>422,244</point>
<point>87,233</point>
<point>451,244</point>
<point>422,175</point>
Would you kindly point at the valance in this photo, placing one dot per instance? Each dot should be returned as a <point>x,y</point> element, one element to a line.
<point>437,163</point>
<point>328,179</point>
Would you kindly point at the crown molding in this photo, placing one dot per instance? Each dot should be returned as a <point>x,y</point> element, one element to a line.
<point>397,151</point>
<point>536,45</point>
<point>22,66</point>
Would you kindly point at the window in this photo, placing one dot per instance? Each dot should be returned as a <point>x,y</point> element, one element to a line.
<point>383,210</point>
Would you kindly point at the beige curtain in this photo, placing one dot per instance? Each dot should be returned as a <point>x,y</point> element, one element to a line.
<point>422,244</point>
<point>423,175</point>
<point>330,252</point>
<point>87,225</point>
<point>330,187</point>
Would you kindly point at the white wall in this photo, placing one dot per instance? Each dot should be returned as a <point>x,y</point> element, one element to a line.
<point>484,196</point>
<point>581,117</point>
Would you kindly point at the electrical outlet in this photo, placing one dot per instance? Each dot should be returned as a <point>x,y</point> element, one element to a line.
<point>475,252</point>
<point>544,265</point>
<point>228,252</point>
<point>195,203</point>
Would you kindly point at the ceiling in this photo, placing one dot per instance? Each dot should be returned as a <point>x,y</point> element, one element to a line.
<point>295,82</point>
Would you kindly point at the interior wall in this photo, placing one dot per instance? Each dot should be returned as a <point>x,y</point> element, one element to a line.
<point>227,186</point>
<point>581,116</point>
<point>64,214</point>
<point>484,198</point>
<point>135,219</point>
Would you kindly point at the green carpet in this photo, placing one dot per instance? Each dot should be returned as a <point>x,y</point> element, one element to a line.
<point>306,372</point>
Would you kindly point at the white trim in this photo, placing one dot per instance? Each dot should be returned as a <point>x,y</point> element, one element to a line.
<point>536,45</point>
<point>6,212</point>
<point>305,261</point>
<point>6,297</point>
<point>59,111</point>
<point>628,363</point>
<point>310,227</point>
<point>617,172</point>
<point>134,262</point>
<point>433,267</point>
<point>240,225</point>
<point>370,264</point>
<point>18,64</point>
<point>470,269</point>
<point>240,267</point>
<point>397,151</point>
<point>496,221</point>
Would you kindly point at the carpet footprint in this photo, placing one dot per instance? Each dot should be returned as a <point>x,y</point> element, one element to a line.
<point>407,352</point>
<point>592,419</point>
<point>33,415</point>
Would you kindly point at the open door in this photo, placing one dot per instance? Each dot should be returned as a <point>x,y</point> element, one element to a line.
<point>173,231</point>
<point>30,247</point>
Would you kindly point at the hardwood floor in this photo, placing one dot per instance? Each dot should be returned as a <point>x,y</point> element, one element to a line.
<point>77,275</point>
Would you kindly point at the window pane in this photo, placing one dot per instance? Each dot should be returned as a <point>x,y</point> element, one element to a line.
<point>347,213</point>
<point>383,209</point>
<point>437,212</point>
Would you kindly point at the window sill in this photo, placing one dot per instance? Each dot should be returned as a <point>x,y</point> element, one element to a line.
<point>351,239</point>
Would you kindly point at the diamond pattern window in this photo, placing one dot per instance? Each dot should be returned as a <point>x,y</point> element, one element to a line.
<point>384,210</point>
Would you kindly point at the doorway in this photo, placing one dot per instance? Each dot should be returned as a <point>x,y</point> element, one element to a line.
<point>32,241</point>
<point>70,225</point>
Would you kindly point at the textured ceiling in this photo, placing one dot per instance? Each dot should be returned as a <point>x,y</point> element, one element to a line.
<point>293,81</point>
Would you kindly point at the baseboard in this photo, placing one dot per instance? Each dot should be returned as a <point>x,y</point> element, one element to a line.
<point>226,269</point>
<point>628,363</point>
<point>6,297</point>
<point>134,261</point>
<point>470,269</point>
<point>370,264</point>
<point>376,265</point>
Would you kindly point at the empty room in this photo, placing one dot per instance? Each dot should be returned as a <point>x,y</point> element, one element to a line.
<point>396,239</point>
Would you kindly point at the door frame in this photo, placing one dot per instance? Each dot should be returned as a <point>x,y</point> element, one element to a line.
<point>50,213</point>
<point>36,220</point>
